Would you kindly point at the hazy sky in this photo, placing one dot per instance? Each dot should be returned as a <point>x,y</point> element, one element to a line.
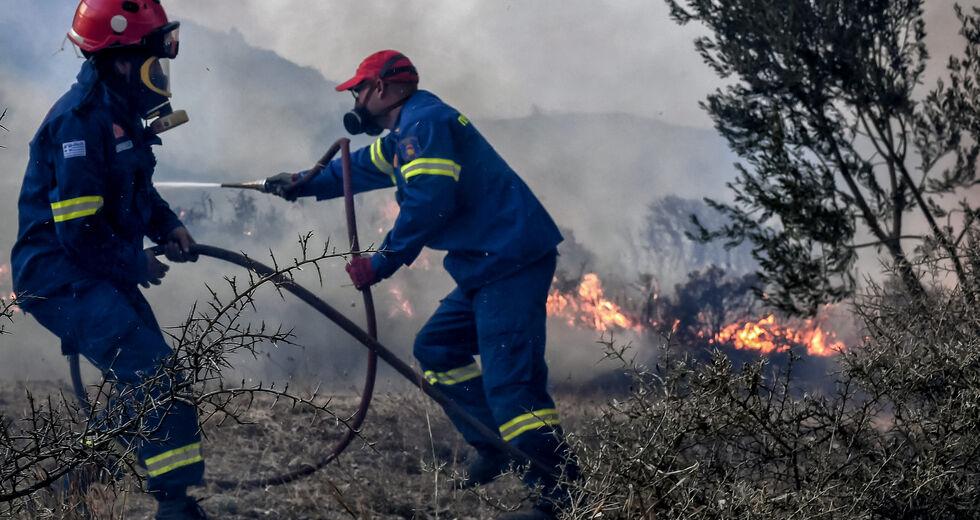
<point>495,58</point>
<point>492,59</point>
<point>499,58</point>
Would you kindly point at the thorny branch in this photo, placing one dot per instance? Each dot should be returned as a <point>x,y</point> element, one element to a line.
<point>55,436</point>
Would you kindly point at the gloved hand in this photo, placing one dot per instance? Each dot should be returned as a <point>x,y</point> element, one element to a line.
<point>361,272</point>
<point>178,247</point>
<point>155,269</point>
<point>283,184</point>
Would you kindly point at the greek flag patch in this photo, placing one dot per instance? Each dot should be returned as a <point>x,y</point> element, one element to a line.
<point>73,149</point>
<point>123,146</point>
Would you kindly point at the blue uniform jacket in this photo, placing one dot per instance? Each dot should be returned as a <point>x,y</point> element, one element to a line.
<point>87,200</point>
<point>455,194</point>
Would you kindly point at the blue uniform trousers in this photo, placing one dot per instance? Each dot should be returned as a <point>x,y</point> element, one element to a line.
<point>114,328</point>
<point>504,323</point>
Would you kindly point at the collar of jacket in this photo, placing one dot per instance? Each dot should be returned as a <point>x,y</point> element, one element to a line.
<point>88,80</point>
<point>419,97</point>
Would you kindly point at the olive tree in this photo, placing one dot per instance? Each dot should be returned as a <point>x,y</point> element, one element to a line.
<point>824,104</point>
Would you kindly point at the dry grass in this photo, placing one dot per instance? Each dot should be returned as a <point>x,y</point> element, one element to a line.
<point>395,471</point>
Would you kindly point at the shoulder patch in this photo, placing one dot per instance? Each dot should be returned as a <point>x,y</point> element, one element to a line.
<point>73,149</point>
<point>117,131</point>
<point>408,149</point>
<point>463,120</point>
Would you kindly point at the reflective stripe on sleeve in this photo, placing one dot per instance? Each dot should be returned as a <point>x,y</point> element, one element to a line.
<point>76,208</point>
<point>382,164</point>
<point>529,421</point>
<point>454,376</point>
<point>424,166</point>
<point>173,459</point>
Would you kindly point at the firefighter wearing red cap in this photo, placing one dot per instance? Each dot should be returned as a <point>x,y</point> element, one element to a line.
<point>86,204</point>
<point>456,194</point>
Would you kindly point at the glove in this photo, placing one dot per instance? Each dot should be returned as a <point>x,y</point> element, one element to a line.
<point>155,269</point>
<point>361,272</point>
<point>282,185</point>
<point>178,247</point>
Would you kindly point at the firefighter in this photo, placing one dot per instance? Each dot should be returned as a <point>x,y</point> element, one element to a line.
<point>457,194</point>
<point>85,206</point>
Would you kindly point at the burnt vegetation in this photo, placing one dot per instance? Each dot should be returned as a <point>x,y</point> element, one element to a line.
<point>821,107</point>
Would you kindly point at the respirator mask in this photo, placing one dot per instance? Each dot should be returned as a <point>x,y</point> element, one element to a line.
<point>360,120</point>
<point>148,83</point>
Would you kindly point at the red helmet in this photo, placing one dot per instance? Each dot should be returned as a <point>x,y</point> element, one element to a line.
<point>101,24</point>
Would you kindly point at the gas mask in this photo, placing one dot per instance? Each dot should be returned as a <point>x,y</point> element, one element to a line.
<point>147,86</point>
<point>360,120</point>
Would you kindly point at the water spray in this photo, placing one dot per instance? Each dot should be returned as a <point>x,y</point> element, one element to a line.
<point>181,184</point>
<point>262,185</point>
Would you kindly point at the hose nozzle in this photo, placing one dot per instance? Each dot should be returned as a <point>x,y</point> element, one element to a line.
<point>259,185</point>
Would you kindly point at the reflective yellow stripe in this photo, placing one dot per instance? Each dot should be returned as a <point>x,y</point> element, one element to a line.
<point>173,459</point>
<point>179,464</point>
<point>76,201</point>
<point>378,158</point>
<point>454,376</point>
<point>426,166</point>
<point>529,421</point>
<point>76,208</point>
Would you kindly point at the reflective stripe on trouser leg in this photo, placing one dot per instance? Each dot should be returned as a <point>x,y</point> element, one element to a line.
<point>115,330</point>
<point>173,459</point>
<point>445,347</point>
<point>529,421</point>
<point>453,376</point>
<point>511,323</point>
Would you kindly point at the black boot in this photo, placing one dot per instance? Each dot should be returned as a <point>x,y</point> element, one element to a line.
<point>484,469</point>
<point>178,506</point>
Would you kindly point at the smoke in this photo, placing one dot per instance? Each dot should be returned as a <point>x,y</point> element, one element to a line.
<point>593,103</point>
<point>496,59</point>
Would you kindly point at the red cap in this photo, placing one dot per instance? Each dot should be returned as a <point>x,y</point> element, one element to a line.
<point>387,65</point>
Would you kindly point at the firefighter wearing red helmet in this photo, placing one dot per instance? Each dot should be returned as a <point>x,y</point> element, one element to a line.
<point>87,203</point>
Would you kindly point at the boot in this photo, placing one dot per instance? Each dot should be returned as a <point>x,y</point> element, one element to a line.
<point>179,506</point>
<point>486,468</point>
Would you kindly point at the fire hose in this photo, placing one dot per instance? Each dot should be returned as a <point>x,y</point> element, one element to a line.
<point>367,338</point>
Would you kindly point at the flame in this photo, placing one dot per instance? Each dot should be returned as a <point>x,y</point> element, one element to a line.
<point>588,307</point>
<point>766,336</point>
<point>4,280</point>
<point>401,306</point>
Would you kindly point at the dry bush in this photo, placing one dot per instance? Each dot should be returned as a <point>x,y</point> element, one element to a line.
<point>894,439</point>
<point>57,436</point>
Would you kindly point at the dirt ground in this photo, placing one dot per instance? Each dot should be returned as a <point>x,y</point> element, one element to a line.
<point>400,468</point>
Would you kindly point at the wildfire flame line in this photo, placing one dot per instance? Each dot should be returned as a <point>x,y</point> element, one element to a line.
<point>767,336</point>
<point>589,307</point>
